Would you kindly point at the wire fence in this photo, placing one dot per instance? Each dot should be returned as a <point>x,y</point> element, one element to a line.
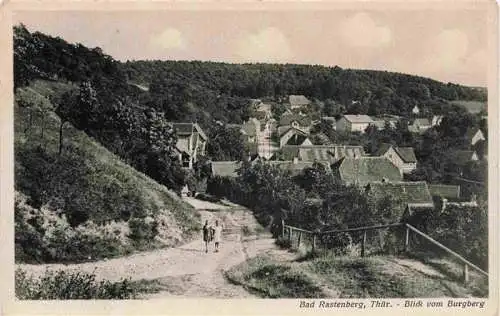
<point>398,238</point>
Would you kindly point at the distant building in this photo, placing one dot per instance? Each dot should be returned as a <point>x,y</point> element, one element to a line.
<point>419,125</point>
<point>191,142</point>
<point>326,154</point>
<point>411,195</point>
<point>436,120</point>
<point>294,136</point>
<point>354,123</point>
<point>415,110</point>
<point>298,101</point>
<point>296,121</point>
<point>475,135</point>
<point>449,195</point>
<point>295,167</point>
<point>363,170</point>
<point>381,121</point>
<point>402,157</point>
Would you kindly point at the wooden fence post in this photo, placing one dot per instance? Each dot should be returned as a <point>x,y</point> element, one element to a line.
<point>283,229</point>
<point>466,274</point>
<point>407,239</point>
<point>363,244</point>
<point>298,242</point>
<point>314,243</point>
<point>290,234</point>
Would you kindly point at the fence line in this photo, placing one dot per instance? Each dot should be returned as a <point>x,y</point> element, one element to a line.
<point>409,228</point>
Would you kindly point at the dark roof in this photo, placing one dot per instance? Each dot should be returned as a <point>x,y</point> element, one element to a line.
<point>287,119</point>
<point>286,129</point>
<point>414,194</point>
<point>382,149</point>
<point>188,129</point>
<point>294,167</point>
<point>225,168</point>
<point>325,153</point>
<point>297,139</point>
<point>406,153</point>
<point>445,190</point>
<point>358,118</point>
<point>364,170</point>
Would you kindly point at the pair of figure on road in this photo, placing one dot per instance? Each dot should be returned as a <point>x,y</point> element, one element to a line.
<point>212,234</point>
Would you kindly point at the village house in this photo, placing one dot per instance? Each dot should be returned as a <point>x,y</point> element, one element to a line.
<point>298,101</point>
<point>381,121</point>
<point>474,135</point>
<point>409,195</point>
<point>436,120</point>
<point>354,123</point>
<point>296,121</point>
<point>191,143</point>
<point>295,167</point>
<point>415,110</point>
<point>293,136</point>
<point>320,153</point>
<point>363,170</point>
<point>402,157</point>
<point>419,125</point>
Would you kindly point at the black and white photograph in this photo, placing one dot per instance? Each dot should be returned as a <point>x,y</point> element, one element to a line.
<point>323,154</point>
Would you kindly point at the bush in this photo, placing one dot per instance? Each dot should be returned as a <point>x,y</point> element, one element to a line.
<point>63,285</point>
<point>283,242</point>
<point>142,231</point>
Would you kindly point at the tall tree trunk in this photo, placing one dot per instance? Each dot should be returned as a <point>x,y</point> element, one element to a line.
<point>61,136</point>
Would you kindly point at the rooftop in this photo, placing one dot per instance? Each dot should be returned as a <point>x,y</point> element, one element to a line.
<point>188,129</point>
<point>225,168</point>
<point>415,194</point>
<point>358,118</point>
<point>364,170</point>
<point>445,190</point>
<point>298,100</point>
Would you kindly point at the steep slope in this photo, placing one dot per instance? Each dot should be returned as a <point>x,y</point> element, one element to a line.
<point>85,194</point>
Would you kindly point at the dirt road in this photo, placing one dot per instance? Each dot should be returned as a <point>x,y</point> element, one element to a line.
<point>186,270</point>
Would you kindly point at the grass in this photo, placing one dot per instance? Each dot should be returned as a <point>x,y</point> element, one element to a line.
<point>320,275</point>
<point>272,280</point>
<point>86,182</point>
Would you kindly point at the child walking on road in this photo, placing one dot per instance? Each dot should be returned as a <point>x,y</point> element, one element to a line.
<point>207,235</point>
<point>217,235</point>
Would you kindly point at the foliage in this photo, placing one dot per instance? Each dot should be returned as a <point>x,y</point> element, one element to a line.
<point>63,285</point>
<point>225,144</point>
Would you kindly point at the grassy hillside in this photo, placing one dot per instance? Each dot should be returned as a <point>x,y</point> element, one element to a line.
<point>348,277</point>
<point>85,192</point>
<point>472,106</point>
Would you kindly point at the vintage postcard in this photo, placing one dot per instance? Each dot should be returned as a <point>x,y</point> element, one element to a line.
<point>254,158</point>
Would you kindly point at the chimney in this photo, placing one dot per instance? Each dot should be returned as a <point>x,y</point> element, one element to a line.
<point>295,160</point>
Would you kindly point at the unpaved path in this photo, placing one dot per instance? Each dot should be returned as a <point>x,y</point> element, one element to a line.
<point>186,270</point>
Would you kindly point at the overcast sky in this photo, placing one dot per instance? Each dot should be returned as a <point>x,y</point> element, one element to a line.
<point>447,45</point>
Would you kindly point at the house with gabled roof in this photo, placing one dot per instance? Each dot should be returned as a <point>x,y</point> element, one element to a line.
<point>354,123</point>
<point>191,142</point>
<point>363,170</point>
<point>474,135</point>
<point>419,125</point>
<point>321,153</point>
<point>298,101</point>
<point>293,136</point>
<point>411,195</point>
<point>403,157</point>
<point>297,121</point>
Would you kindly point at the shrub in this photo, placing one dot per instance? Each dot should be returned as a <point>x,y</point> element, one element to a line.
<point>63,285</point>
<point>142,231</point>
<point>283,242</point>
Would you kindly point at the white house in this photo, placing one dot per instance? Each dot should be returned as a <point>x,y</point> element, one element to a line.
<point>475,135</point>
<point>402,157</point>
<point>191,142</point>
<point>415,110</point>
<point>354,123</point>
<point>294,136</point>
<point>436,120</point>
